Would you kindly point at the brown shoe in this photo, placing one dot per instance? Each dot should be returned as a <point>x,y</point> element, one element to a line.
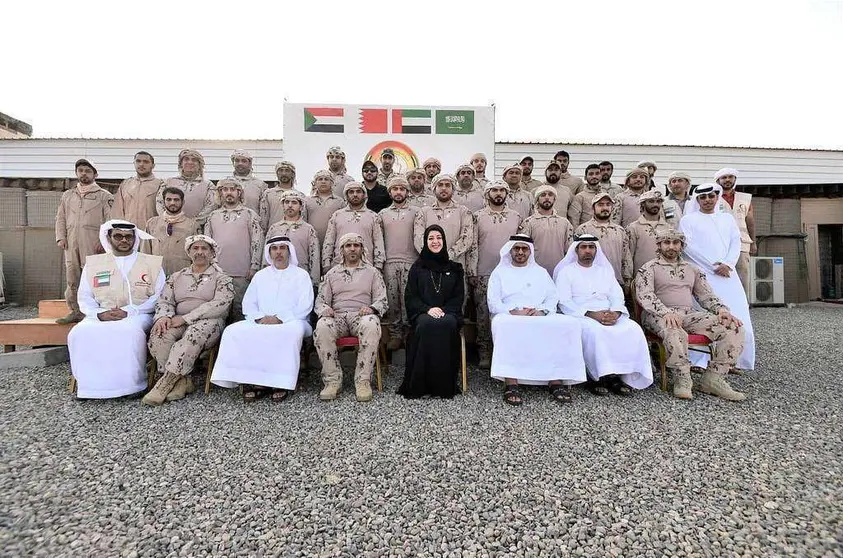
<point>71,318</point>
<point>158,394</point>
<point>183,387</point>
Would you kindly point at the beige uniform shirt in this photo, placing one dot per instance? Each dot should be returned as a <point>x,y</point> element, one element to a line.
<point>348,289</point>
<point>473,199</point>
<point>581,210</point>
<point>615,244</point>
<point>319,211</point>
<point>531,185</point>
<point>169,246</point>
<point>492,230</point>
<point>574,184</point>
<point>552,235</point>
<point>135,200</point>
<point>364,222</point>
<point>340,180</point>
<point>421,200</point>
<point>303,238</point>
<point>457,223</point>
<point>627,208</point>
<point>239,235</point>
<point>661,286</point>
<point>78,220</point>
<point>520,201</point>
<point>196,296</point>
<point>398,224</point>
<point>642,240</point>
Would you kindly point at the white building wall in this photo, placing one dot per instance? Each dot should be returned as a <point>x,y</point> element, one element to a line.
<point>54,158</point>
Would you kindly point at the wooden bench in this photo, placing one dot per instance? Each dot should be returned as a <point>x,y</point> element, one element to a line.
<point>39,331</point>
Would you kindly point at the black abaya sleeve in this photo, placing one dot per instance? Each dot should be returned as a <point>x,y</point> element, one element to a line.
<point>412,296</point>
<point>453,305</point>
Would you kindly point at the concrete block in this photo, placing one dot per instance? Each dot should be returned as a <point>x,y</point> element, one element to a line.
<point>32,358</point>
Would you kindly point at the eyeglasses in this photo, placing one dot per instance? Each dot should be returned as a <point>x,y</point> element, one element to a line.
<point>369,170</point>
<point>121,237</point>
<point>710,196</point>
<point>169,229</point>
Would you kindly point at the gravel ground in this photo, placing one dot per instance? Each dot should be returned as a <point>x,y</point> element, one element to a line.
<point>646,476</point>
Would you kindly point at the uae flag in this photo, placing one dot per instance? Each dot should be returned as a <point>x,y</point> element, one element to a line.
<point>400,121</point>
<point>411,121</point>
<point>326,120</point>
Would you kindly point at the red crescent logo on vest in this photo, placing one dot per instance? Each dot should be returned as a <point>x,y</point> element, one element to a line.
<point>145,278</point>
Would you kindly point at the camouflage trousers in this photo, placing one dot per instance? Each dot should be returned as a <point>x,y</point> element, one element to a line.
<point>73,274</point>
<point>328,330</point>
<point>484,321</point>
<point>395,277</point>
<point>728,341</point>
<point>240,286</point>
<point>178,348</point>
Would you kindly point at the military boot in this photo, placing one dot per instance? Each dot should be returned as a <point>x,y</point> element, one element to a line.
<point>71,318</point>
<point>158,394</point>
<point>363,390</point>
<point>183,387</point>
<point>330,391</point>
<point>716,384</point>
<point>682,384</point>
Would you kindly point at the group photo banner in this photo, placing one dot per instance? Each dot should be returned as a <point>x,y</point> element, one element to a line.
<point>451,134</point>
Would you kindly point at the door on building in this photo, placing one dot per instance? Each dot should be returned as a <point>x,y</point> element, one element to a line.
<point>830,241</point>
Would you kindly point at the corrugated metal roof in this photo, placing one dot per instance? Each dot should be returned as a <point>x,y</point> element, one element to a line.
<point>500,141</point>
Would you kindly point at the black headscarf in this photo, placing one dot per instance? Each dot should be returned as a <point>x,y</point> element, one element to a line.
<point>431,261</point>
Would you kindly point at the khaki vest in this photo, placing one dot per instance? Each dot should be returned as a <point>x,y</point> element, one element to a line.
<point>111,290</point>
<point>739,212</point>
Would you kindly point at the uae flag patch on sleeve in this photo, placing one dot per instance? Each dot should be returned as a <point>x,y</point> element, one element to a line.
<point>102,279</point>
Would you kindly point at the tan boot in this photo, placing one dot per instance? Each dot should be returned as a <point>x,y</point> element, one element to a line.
<point>330,391</point>
<point>363,390</point>
<point>71,318</point>
<point>715,384</point>
<point>183,387</point>
<point>158,394</point>
<point>682,384</point>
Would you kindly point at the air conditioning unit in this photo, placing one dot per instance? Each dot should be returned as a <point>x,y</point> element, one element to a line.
<point>766,277</point>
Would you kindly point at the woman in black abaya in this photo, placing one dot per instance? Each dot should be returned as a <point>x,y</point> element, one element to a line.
<point>433,298</point>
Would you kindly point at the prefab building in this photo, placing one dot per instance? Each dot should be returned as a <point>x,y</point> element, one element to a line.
<point>798,195</point>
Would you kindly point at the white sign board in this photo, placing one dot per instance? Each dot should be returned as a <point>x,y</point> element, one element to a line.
<point>451,134</point>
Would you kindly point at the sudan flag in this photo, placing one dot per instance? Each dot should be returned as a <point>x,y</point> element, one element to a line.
<point>326,120</point>
<point>411,121</point>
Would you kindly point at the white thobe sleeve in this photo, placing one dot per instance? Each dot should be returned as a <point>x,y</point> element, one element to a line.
<point>566,295</point>
<point>148,306</point>
<point>300,307</point>
<point>251,310</point>
<point>85,297</point>
<point>494,296</point>
<point>616,298</point>
<point>551,297</point>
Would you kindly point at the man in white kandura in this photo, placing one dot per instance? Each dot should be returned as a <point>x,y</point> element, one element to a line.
<point>532,343</point>
<point>713,243</point>
<point>117,294</point>
<point>276,305</point>
<point>615,349</point>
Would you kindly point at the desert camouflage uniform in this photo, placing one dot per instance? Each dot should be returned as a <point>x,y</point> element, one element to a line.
<point>203,300</point>
<point>662,287</point>
<point>401,254</point>
<point>642,240</point>
<point>364,222</point>
<point>614,241</point>
<point>304,239</point>
<point>346,290</point>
